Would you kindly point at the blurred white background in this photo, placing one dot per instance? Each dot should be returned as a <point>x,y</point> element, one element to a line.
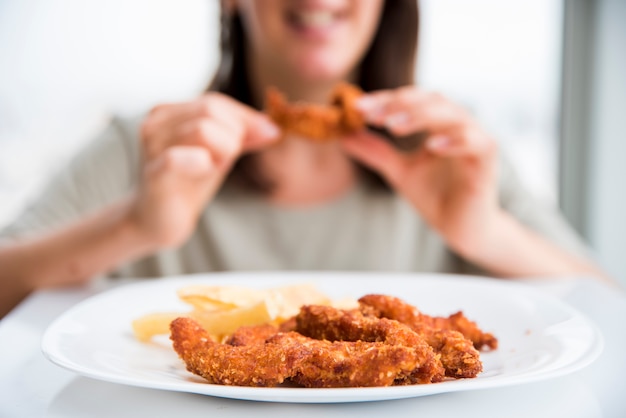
<point>67,65</point>
<point>502,60</point>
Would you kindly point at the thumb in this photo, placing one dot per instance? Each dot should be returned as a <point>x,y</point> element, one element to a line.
<point>254,129</point>
<point>375,153</point>
<point>187,162</point>
<point>260,132</point>
<point>179,164</point>
<point>183,171</point>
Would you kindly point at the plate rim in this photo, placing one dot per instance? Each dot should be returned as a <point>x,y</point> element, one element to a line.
<point>324,395</point>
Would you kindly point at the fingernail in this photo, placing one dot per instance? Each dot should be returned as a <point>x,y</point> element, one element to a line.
<point>371,109</point>
<point>396,119</point>
<point>365,103</point>
<point>269,129</point>
<point>438,142</point>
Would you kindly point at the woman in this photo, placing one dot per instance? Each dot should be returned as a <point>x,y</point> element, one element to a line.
<point>208,184</point>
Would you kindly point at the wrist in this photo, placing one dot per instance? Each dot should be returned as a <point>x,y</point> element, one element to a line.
<point>93,245</point>
<point>486,242</point>
<point>507,248</point>
<point>130,231</point>
<point>16,276</point>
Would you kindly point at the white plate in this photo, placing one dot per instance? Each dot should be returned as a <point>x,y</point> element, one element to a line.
<point>540,337</point>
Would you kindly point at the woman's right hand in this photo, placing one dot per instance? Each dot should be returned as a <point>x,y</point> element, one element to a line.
<point>188,150</point>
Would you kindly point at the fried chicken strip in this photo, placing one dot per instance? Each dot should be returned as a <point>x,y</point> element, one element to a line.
<point>305,361</point>
<point>325,322</point>
<point>395,308</point>
<point>325,364</point>
<point>459,356</point>
<point>248,365</point>
<point>255,334</point>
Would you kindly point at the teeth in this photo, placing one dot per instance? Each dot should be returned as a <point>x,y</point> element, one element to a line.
<point>316,18</point>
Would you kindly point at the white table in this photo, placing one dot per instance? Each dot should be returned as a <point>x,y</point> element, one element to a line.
<point>31,386</point>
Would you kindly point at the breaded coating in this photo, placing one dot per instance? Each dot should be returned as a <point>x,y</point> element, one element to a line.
<point>325,364</point>
<point>288,325</point>
<point>317,122</point>
<point>304,361</point>
<point>248,365</point>
<point>325,322</point>
<point>471,331</point>
<point>345,96</point>
<point>458,355</point>
<point>394,308</point>
<point>254,334</point>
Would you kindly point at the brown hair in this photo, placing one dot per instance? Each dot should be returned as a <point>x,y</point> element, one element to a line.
<point>389,63</point>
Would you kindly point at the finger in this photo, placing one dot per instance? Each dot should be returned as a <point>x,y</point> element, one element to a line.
<point>377,105</point>
<point>163,118</point>
<point>208,105</point>
<point>467,142</point>
<point>189,162</point>
<point>179,163</point>
<point>185,176</point>
<point>409,110</point>
<point>433,118</point>
<point>257,129</point>
<point>221,141</point>
<point>376,153</point>
<point>261,133</point>
<point>159,127</point>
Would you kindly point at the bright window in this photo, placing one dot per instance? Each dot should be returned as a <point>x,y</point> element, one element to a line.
<point>502,61</point>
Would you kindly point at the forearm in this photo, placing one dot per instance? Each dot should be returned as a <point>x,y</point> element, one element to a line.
<point>70,255</point>
<point>510,249</point>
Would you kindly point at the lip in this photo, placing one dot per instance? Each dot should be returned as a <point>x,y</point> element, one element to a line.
<point>316,24</point>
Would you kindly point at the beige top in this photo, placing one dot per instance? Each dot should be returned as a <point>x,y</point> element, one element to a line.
<point>362,230</point>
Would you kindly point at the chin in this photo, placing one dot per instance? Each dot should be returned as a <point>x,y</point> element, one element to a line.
<point>317,70</point>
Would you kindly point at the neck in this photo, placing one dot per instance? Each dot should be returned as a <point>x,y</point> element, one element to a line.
<point>305,173</point>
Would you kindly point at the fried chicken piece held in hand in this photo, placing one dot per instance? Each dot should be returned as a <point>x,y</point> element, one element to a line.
<point>317,122</point>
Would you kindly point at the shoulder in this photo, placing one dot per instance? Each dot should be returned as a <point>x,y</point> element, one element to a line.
<point>120,137</point>
<point>104,170</point>
<point>114,150</point>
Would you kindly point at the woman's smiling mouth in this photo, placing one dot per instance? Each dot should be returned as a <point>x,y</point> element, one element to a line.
<point>314,24</point>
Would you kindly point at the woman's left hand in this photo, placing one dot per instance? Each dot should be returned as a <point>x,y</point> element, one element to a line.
<point>450,179</point>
